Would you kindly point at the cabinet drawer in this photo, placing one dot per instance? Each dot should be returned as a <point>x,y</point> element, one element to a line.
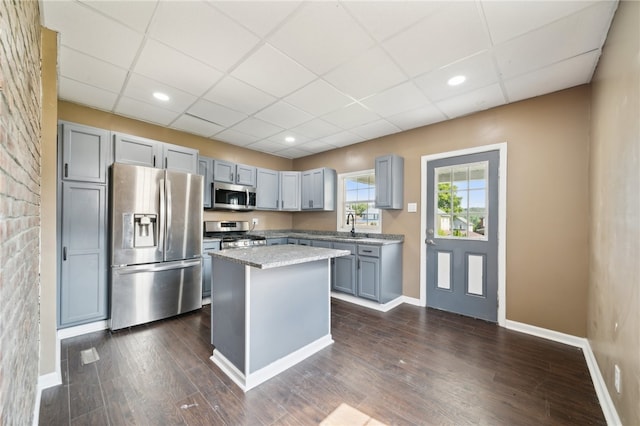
<point>372,251</point>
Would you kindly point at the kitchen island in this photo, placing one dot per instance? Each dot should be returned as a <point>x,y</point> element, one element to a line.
<point>270,309</point>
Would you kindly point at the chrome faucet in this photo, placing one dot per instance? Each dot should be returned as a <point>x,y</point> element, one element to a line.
<point>353,224</point>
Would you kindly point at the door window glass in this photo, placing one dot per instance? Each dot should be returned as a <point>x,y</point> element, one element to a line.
<point>461,204</point>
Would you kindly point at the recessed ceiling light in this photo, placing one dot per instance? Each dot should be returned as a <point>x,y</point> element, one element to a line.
<point>290,139</point>
<point>458,79</point>
<point>161,96</point>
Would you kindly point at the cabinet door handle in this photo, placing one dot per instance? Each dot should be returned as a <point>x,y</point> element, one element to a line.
<point>368,251</point>
<point>166,163</point>
<point>154,161</point>
<point>66,170</point>
<point>64,253</point>
<point>358,263</point>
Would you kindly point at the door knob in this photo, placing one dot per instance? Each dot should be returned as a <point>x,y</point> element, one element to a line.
<point>430,242</point>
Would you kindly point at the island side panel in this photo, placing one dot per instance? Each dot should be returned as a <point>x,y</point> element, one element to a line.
<point>289,309</point>
<point>228,311</point>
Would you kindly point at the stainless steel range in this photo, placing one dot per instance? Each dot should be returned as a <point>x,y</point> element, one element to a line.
<point>234,234</point>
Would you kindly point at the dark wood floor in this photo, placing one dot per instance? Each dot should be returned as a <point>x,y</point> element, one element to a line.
<point>410,366</point>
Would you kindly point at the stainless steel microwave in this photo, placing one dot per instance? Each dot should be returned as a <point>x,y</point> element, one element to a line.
<point>226,196</point>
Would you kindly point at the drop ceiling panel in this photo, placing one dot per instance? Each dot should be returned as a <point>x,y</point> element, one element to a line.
<point>369,73</point>
<point>86,69</point>
<point>281,138</point>
<point>454,32</point>
<point>477,100</point>
<point>316,129</point>
<point>318,97</point>
<point>315,146</point>
<point>235,137</point>
<point>383,19</point>
<point>75,91</point>
<point>239,96</point>
<point>196,125</point>
<point>258,128</point>
<point>569,73</point>
<point>202,32</point>
<point>267,67</point>
<point>284,115</point>
<point>342,139</point>
<point>217,114</point>
<point>92,33</point>
<point>351,116</point>
<point>375,129</point>
<point>398,99</point>
<point>565,38</point>
<point>479,70</point>
<point>320,36</point>
<point>144,111</point>
<point>259,17</point>
<point>142,88</point>
<point>174,68</point>
<point>293,153</point>
<point>134,14</point>
<point>507,20</point>
<point>417,117</point>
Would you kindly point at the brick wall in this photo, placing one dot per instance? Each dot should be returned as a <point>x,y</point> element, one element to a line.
<point>20,109</point>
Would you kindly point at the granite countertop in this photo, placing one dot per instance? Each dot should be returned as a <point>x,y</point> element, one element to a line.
<point>266,257</point>
<point>338,237</point>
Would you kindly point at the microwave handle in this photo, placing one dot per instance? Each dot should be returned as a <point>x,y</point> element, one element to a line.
<point>246,191</point>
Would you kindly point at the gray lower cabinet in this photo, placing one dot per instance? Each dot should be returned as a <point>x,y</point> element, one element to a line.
<point>379,276</point>
<point>344,270</point>
<point>277,241</point>
<point>207,275</point>
<point>83,280</point>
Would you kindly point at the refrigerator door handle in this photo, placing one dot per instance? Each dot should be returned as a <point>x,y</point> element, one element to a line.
<point>169,204</point>
<point>155,267</point>
<point>161,222</point>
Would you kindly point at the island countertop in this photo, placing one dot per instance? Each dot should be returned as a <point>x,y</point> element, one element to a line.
<point>267,257</point>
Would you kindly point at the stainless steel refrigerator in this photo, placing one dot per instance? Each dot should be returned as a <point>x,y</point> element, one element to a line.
<point>156,244</point>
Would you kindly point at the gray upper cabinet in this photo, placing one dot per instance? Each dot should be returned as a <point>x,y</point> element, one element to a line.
<point>148,152</point>
<point>205,169</point>
<point>389,170</point>
<point>136,150</point>
<point>319,189</point>
<point>85,153</point>
<point>83,280</point>
<point>266,189</point>
<point>229,172</point>
<point>180,158</point>
<point>290,191</point>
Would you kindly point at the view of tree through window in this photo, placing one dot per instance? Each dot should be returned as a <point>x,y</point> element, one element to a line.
<point>358,198</point>
<point>462,201</point>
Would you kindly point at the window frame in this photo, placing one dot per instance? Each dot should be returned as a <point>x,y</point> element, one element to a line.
<point>341,213</point>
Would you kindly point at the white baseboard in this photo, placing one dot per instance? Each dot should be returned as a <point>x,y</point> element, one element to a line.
<point>368,303</point>
<point>413,301</point>
<point>248,382</point>
<point>606,403</point>
<point>65,333</point>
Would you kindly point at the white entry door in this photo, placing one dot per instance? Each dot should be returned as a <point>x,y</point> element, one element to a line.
<point>462,234</point>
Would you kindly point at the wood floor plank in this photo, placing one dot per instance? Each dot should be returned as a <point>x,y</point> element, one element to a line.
<point>407,366</point>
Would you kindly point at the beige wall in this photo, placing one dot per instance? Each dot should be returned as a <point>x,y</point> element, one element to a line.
<point>48,263</point>
<point>208,147</point>
<point>547,197</point>
<point>614,284</point>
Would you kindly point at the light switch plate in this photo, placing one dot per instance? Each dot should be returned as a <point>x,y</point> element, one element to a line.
<point>412,207</point>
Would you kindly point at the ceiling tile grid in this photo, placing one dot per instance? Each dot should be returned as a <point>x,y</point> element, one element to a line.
<point>328,74</point>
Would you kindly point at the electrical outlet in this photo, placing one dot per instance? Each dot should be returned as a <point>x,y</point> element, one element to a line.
<point>254,221</point>
<point>616,377</point>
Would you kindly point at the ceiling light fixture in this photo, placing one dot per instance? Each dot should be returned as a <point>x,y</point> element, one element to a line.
<point>290,139</point>
<point>161,96</point>
<point>458,79</point>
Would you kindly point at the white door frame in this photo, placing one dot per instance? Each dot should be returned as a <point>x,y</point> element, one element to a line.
<point>502,223</point>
